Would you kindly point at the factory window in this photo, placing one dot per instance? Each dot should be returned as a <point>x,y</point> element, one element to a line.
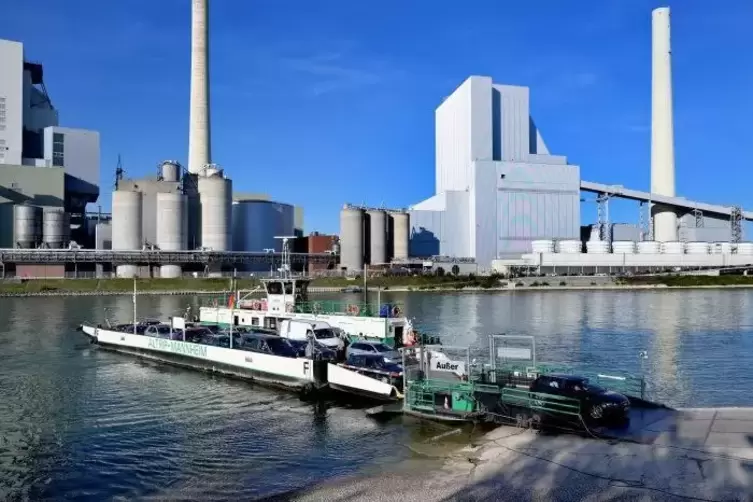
<point>58,149</point>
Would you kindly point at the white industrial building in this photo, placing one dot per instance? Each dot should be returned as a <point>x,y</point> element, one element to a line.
<point>499,190</point>
<point>44,168</point>
<point>497,185</point>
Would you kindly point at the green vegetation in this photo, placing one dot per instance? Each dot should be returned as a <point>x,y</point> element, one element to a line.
<point>72,286</point>
<point>688,281</point>
<point>32,286</point>
<point>439,280</point>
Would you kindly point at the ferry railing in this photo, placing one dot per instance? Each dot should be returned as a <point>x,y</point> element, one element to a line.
<point>387,310</point>
<point>523,375</point>
<point>547,403</point>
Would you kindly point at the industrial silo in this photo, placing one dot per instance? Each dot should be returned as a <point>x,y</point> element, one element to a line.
<point>172,226</point>
<point>351,238</point>
<point>215,199</point>
<point>127,215</point>
<point>27,226</point>
<point>170,170</point>
<point>55,228</point>
<point>256,223</point>
<point>400,235</point>
<point>377,236</point>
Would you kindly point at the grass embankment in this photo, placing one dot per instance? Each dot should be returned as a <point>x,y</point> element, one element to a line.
<point>72,286</point>
<point>688,281</point>
<point>63,286</point>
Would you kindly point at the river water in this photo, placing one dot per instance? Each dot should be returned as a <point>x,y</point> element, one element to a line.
<point>87,424</point>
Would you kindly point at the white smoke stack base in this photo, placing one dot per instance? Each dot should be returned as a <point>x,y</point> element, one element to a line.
<point>662,127</point>
<point>199,152</point>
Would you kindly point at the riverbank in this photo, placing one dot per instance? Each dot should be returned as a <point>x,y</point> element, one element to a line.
<point>208,286</point>
<point>700,454</point>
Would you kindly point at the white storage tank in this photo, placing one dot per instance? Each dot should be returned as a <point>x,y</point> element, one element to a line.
<point>649,247</point>
<point>673,247</point>
<point>623,247</point>
<point>698,248</point>
<point>597,247</point>
<point>127,215</point>
<point>721,248</point>
<point>172,228</point>
<point>56,228</point>
<point>27,226</point>
<point>542,246</point>
<point>745,248</point>
<point>351,238</point>
<point>377,236</point>
<point>570,247</point>
<point>400,235</point>
<point>170,170</point>
<point>215,199</point>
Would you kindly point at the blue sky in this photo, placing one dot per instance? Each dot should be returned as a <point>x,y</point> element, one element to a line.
<point>322,102</point>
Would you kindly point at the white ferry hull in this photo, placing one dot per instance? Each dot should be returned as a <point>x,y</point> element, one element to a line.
<point>352,382</point>
<point>286,372</point>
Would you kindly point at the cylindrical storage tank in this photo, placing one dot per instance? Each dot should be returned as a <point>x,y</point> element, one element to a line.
<point>649,247</point>
<point>400,235</point>
<point>542,246</point>
<point>673,247</point>
<point>721,248</point>
<point>172,226</point>
<point>698,248</point>
<point>27,226</point>
<point>378,236</point>
<point>216,199</point>
<point>570,247</point>
<point>745,248</point>
<point>55,228</point>
<point>623,247</point>
<point>256,223</point>
<point>351,238</point>
<point>127,215</point>
<point>597,247</point>
<point>170,170</point>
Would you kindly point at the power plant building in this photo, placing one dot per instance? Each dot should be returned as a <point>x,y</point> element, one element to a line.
<point>498,188</point>
<point>42,165</point>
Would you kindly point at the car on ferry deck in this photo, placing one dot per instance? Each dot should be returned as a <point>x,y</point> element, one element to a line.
<point>266,344</point>
<point>374,366</point>
<point>322,352</point>
<point>389,354</point>
<point>163,331</point>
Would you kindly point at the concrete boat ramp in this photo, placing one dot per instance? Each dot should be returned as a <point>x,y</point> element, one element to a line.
<point>665,455</point>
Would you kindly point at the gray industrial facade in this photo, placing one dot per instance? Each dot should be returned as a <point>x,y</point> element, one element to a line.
<point>497,186</point>
<point>41,164</point>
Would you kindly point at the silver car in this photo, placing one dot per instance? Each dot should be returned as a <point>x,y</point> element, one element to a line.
<point>359,348</point>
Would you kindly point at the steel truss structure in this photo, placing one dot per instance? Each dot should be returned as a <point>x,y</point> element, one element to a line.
<point>152,257</point>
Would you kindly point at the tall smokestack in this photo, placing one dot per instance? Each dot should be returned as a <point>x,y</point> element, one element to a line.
<point>662,128</point>
<point>199,152</point>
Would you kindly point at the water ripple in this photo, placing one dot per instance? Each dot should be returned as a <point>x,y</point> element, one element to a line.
<point>81,423</point>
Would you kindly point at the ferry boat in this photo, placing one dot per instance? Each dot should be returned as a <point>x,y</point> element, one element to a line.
<point>259,357</point>
<point>287,297</point>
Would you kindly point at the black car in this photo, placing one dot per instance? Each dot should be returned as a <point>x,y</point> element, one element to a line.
<point>321,351</point>
<point>598,405</point>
